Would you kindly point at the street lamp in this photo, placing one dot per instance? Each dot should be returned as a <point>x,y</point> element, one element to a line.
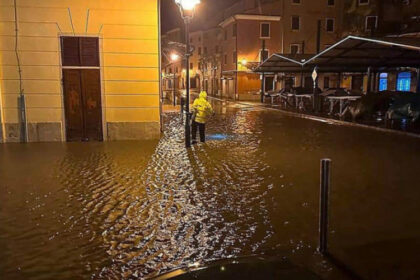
<point>187,8</point>
<point>174,58</point>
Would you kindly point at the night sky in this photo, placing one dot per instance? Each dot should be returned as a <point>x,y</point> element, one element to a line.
<point>171,17</point>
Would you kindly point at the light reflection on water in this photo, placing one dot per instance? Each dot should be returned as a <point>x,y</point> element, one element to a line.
<point>135,209</point>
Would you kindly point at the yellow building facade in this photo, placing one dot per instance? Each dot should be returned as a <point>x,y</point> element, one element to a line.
<point>125,79</point>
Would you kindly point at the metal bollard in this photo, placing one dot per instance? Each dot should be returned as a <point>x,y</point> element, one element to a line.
<point>323,205</point>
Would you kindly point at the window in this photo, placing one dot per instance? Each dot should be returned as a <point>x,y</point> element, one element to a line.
<point>265,30</point>
<point>363,2</point>
<point>191,65</point>
<point>234,31</point>
<point>371,23</point>
<point>234,57</point>
<point>295,1</point>
<point>199,50</point>
<point>383,81</point>
<point>326,82</point>
<point>80,51</point>
<point>263,55</point>
<point>225,59</point>
<point>294,48</point>
<point>295,22</point>
<point>331,2</point>
<point>329,25</point>
<point>404,81</point>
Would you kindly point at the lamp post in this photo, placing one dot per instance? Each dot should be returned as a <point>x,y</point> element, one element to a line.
<point>174,58</point>
<point>187,8</point>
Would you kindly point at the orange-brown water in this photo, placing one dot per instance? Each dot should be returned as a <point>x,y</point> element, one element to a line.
<point>122,210</point>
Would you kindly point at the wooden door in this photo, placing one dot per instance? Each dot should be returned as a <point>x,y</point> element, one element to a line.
<point>92,113</point>
<point>73,105</point>
<point>82,99</point>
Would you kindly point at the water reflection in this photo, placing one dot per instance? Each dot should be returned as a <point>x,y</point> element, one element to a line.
<point>136,209</point>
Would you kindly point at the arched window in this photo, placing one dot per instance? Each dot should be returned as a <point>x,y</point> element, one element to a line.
<point>404,81</point>
<point>383,81</point>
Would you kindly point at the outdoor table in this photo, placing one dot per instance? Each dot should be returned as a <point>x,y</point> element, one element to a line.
<point>344,101</point>
<point>300,97</point>
<point>272,96</point>
<point>285,98</point>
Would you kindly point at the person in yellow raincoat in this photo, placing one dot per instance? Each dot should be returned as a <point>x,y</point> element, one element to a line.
<point>201,109</point>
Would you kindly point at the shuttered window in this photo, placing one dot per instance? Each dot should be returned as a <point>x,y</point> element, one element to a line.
<point>80,51</point>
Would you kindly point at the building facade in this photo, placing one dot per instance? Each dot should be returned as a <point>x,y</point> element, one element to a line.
<point>229,47</point>
<point>247,39</point>
<point>79,70</point>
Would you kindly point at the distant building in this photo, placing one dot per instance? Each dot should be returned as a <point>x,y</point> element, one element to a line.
<point>173,72</point>
<point>88,69</point>
<point>379,18</point>
<point>244,36</point>
<point>228,44</point>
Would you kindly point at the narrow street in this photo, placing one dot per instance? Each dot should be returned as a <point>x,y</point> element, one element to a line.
<point>119,210</point>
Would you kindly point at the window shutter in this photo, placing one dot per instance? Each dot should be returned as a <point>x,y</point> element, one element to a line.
<point>70,51</point>
<point>89,51</point>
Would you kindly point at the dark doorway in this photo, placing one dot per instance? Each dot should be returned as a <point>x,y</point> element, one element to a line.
<point>269,83</point>
<point>309,83</point>
<point>82,88</point>
<point>289,83</point>
<point>193,82</point>
<point>357,83</point>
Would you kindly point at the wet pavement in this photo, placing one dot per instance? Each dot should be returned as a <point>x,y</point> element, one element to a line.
<point>124,210</point>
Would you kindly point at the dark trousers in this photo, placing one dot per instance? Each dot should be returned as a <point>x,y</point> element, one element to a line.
<point>202,128</point>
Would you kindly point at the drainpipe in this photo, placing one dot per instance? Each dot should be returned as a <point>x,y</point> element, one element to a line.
<point>21,98</point>
<point>160,72</point>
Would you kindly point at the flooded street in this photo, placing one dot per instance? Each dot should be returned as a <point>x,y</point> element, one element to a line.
<point>123,210</point>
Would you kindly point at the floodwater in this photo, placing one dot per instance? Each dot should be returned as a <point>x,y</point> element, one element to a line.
<point>124,210</point>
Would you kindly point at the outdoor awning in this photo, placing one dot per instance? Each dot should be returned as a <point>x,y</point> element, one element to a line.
<point>280,63</point>
<point>352,54</point>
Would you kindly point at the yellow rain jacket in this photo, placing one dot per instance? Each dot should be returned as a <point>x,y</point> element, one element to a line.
<point>202,108</point>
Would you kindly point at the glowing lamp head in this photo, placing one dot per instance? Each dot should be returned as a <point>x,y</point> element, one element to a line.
<point>244,62</point>
<point>187,5</point>
<point>174,57</point>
